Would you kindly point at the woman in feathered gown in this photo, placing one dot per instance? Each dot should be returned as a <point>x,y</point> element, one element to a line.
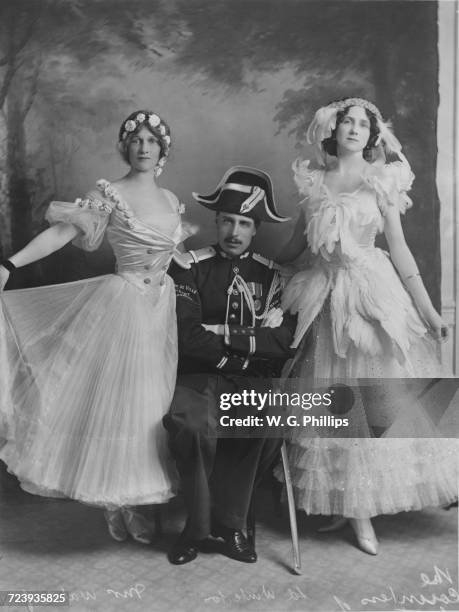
<point>370,325</point>
<point>88,368</point>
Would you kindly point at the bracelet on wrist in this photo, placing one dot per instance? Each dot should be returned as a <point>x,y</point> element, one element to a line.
<point>414,275</point>
<point>9,265</point>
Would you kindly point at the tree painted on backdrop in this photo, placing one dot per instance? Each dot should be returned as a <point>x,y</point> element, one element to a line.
<point>386,51</point>
<point>49,50</point>
<point>382,50</point>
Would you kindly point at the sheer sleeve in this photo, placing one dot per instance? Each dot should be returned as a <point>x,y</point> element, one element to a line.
<point>90,215</point>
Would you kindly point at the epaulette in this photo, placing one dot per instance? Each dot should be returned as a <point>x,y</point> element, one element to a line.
<point>271,264</point>
<point>192,257</point>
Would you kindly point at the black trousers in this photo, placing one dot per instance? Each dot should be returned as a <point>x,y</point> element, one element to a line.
<point>218,475</point>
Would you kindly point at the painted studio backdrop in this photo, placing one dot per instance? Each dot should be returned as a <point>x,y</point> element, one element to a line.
<point>237,80</point>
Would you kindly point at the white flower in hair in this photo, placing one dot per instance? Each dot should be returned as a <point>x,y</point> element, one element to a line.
<point>154,120</point>
<point>130,125</point>
<point>167,139</point>
<point>140,118</point>
<point>162,130</point>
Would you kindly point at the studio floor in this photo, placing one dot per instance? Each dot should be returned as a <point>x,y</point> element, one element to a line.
<point>63,545</point>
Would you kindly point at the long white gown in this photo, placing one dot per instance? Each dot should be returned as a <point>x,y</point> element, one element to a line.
<point>88,368</point>
<point>368,335</point>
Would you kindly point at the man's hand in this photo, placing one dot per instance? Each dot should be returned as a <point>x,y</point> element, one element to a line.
<point>274,318</point>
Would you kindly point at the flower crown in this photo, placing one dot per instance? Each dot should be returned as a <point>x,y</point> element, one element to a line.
<point>340,105</point>
<point>160,128</point>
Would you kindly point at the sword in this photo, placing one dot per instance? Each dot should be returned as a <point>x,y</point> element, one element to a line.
<point>291,510</point>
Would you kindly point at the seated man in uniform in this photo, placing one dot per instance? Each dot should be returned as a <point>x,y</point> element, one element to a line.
<point>231,337</point>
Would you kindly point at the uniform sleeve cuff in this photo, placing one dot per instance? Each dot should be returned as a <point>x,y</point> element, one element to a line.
<point>242,339</point>
<point>221,364</point>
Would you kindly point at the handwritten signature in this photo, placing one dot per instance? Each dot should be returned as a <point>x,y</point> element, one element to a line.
<point>439,578</point>
<point>390,596</point>
<point>132,592</point>
<point>257,594</point>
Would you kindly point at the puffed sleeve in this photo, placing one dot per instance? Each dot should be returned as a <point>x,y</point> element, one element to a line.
<point>90,214</point>
<point>391,183</point>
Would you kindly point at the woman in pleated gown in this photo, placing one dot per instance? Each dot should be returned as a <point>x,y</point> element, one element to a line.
<point>88,368</point>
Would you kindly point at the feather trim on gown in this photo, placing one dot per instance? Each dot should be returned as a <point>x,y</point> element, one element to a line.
<point>367,334</point>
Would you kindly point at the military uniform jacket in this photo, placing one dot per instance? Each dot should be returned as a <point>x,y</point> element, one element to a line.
<point>236,293</point>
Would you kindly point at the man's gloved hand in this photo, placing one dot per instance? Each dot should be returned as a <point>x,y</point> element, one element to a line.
<point>273,318</point>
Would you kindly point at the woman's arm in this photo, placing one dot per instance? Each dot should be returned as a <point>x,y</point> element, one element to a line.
<point>297,243</point>
<point>406,266</point>
<point>44,244</point>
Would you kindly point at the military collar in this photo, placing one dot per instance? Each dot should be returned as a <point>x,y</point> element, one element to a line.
<point>224,255</point>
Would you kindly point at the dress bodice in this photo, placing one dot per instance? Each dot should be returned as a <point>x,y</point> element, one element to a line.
<point>358,279</point>
<point>342,228</point>
<point>140,248</point>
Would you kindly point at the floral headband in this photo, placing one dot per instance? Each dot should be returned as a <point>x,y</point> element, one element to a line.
<point>340,105</point>
<point>159,127</point>
<point>324,123</point>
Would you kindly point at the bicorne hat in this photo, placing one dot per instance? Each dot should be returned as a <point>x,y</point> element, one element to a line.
<point>244,191</point>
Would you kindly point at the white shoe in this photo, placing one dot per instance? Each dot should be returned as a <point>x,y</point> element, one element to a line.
<point>365,535</point>
<point>137,526</point>
<point>115,524</point>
